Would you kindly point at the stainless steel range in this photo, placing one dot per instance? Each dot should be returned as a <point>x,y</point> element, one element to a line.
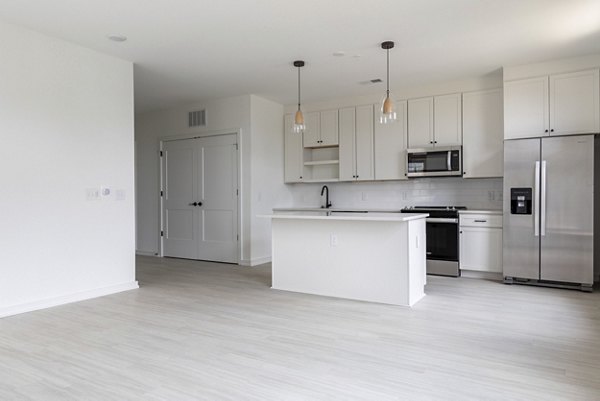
<point>442,238</point>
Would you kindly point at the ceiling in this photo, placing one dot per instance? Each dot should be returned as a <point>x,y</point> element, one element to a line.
<point>192,50</point>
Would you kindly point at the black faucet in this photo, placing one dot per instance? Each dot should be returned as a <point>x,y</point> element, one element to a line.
<point>327,203</point>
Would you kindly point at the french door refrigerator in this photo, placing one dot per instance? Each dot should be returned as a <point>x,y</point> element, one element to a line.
<point>548,235</point>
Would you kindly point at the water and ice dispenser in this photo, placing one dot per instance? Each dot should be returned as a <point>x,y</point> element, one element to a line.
<point>520,200</point>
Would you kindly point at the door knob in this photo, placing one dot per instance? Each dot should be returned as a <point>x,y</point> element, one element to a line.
<point>194,204</point>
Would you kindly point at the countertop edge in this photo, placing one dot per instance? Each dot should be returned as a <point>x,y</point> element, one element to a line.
<point>404,217</point>
<point>473,211</point>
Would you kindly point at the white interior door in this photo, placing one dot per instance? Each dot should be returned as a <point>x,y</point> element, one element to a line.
<point>200,201</point>
<point>180,216</point>
<point>217,182</point>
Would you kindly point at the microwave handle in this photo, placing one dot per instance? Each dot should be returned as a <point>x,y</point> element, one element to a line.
<point>449,160</point>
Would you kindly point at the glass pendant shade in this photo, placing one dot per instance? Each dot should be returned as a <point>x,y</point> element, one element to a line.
<point>299,118</point>
<point>388,106</point>
<point>388,110</point>
<point>299,122</point>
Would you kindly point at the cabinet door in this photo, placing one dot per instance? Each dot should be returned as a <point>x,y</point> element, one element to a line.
<point>364,143</point>
<point>347,144</point>
<point>390,146</point>
<point>526,112</point>
<point>293,151</point>
<point>574,107</point>
<point>312,132</point>
<point>447,120</point>
<point>483,134</point>
<point>481,249</point>
<point>420,123</point>
<point>329,127</point>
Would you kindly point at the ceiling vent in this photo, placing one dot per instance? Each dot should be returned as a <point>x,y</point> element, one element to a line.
<point>197,118</point>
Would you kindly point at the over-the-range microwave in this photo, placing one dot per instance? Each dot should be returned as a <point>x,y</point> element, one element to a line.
<point>436,162</point>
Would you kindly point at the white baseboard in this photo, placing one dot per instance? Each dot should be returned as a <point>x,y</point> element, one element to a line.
<point>66,299</point>
<point>146,253</point>
<point>255,261</point>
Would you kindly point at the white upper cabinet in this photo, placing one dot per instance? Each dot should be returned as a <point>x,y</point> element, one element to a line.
<point>356,143</point>
<point>364,143</point>
<point>435,121</point>
<point>420,123</point>
<point>293,151</point>
<point>561,104</point>
<point>447,120</point>
<point>347,143</point>
<point>526,108</point>
<point>321,129</point>
<point>390,146</point>
<point>329,127</point>
<point>574,107</point>
<point>312,130</point>
<point>483,134</point>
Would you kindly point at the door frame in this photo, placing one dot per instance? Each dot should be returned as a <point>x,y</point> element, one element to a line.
<point>161,141</point>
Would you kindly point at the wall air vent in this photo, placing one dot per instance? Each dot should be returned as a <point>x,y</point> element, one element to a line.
<point>197,118</point>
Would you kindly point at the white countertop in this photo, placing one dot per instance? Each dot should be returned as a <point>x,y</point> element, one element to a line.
<point>333,209</point>
<point>473,211</point>
<point>372,216</point>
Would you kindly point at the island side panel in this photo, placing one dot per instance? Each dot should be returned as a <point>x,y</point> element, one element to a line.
<point>417,263</point>
<point>363,260</point>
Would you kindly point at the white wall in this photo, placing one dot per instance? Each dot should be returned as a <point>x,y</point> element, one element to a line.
<point>66,124</point>
<point>268,189</point>
<point>260,124</point>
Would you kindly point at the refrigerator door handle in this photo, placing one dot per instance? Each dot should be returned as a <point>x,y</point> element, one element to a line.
<point>536,201</point>
<point>543,206</point>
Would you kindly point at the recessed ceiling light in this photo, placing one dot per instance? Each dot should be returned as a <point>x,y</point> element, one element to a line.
<point>339,54</point>
<point>117,38</point>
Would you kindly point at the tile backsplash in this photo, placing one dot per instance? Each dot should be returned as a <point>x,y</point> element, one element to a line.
<point>455,191</point>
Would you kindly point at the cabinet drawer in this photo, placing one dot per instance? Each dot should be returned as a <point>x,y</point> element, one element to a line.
<point>481,220</point>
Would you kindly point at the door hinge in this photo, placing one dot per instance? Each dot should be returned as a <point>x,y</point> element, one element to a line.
<point>161,153</point>
<point>162,233</point>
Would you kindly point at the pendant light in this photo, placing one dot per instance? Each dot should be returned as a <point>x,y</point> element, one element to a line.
<point>388,107</point>
<point>299,118</point>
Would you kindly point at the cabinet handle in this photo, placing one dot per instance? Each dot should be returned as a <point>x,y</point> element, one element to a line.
<point>430,141</point>
<point>460,232</point>
<point>480,221</point>
<point>552,130</point>
<point>546,131</point>
<point>434,141</point>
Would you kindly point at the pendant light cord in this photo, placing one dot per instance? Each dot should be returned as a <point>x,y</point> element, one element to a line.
<point>388,73</point>
<point>298,88</point>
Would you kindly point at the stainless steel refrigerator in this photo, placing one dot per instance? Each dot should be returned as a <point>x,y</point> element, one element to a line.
<point>548,235</point>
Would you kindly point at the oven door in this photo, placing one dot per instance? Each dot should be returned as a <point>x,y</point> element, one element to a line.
<point>442,246</point>
<point>432,163</point>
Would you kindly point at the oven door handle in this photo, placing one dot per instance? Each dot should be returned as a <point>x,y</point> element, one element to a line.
<point>440,220</point>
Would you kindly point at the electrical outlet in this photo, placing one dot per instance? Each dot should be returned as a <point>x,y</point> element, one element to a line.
<point>491,196</point>
<point>334,240</point>
<point>365,196</point>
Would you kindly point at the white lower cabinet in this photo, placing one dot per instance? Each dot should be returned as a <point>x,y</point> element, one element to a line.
<point>481,242</point>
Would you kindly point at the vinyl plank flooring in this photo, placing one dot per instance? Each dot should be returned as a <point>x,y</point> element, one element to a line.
<point>208,331</point>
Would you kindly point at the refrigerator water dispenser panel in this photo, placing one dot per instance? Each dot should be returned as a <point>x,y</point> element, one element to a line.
<point>520,200</point>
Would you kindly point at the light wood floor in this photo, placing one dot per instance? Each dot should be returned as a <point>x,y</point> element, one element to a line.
<point>207,331</point>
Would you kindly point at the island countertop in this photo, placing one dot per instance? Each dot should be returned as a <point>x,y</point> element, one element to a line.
<point>351,216</point>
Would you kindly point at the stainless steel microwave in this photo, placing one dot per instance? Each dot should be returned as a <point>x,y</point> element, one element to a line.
<point>437,162</point>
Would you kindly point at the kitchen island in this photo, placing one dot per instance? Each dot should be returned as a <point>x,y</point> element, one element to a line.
<point>377,257</point>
